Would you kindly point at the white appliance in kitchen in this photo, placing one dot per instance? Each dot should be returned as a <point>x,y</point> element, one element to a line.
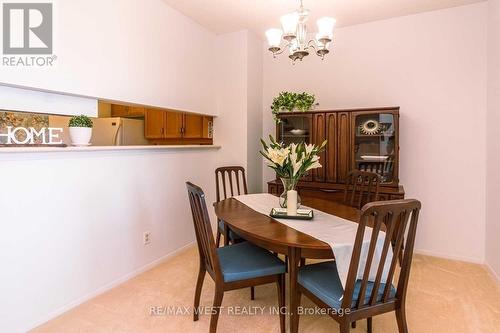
<point>118,132</point>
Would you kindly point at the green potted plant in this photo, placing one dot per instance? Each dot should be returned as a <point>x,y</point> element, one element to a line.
<point>290,101</point>
<point>80,130</point>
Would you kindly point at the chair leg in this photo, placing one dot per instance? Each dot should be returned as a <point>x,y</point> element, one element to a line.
<point>252,293</point>
<point>369,324</point>
<point>197,294</point>
<point>302,262</point>
<point>217,242</point>
<point>345,327</point>
<point>281,301</point>
<point>216,310</point>
<point>299,298</point>
<point>401,318</point>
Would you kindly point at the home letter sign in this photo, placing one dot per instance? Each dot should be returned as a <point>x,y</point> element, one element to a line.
<point>48,136</point>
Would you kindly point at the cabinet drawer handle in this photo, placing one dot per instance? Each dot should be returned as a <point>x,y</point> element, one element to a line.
<point>330,191</point>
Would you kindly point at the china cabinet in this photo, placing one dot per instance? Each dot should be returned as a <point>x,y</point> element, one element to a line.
<point>363,139</point>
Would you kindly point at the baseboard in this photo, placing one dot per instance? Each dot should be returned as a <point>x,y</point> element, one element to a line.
<point>495,275</point>
<point>450,257</point>
<point>108,286</point>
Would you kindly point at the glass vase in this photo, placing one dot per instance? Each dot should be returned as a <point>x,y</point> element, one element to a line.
<point>288,185</point>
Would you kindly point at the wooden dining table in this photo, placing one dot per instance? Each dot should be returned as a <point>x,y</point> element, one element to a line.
<point>274,236</point>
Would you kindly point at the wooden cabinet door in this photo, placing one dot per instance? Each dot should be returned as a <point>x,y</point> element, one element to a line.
<point>330,164</point>
<point>154,124</point>
<point>119,110</point>
<point>318,136</point>
<point>173,125</point>
<point>193,126</point>
<point>136,111</point>
<point>344,146</point>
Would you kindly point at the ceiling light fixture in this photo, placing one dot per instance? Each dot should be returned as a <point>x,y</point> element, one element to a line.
<point>294,33</point>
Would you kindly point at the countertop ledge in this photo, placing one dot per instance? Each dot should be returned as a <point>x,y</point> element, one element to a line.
<point>104,148</point>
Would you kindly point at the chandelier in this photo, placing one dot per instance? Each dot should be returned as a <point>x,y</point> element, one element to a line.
<point>294,34</point>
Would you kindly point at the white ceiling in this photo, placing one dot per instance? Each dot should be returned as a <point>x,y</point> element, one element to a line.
<point>222,16</point>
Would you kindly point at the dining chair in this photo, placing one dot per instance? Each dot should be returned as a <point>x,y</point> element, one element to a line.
<point>361,187</point>
<point>231,267</point>
<point>229,181</point>
<point>366,299</point>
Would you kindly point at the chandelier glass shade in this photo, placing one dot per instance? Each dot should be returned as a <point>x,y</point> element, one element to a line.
<point>293,34</point>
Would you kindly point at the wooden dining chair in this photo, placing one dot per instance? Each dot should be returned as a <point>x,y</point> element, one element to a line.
<point>229,181</point>
<point>366,299</point>
<point>361,187</point>
<point>231,267</point>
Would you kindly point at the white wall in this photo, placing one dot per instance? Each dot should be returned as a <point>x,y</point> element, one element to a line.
<point>239,101</point>
<point>231,95</point>
<point>433,65</point>
<point>18,99</point>
<point>493,175</point>
<point>128,52</point>
<point>73,222</point>
<point>254,111</point>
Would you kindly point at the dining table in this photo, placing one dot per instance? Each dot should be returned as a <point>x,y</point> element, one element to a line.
<point>268,233</point>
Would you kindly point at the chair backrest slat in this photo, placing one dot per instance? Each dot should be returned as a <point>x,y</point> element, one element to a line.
<point>230,174</point>
<point>400,233</point>
<point>236,181</point>
<point>391,220</point>
<point>203,230</point>
<point>383,258</point>
<point>369,260</point>
<point>361,188</point>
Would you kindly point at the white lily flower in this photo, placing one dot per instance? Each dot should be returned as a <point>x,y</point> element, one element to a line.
<point>314,166</point>
<point>278,156</point>
<point>309,148</point>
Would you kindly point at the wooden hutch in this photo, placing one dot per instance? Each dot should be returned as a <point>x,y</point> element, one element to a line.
<point>363,139</point>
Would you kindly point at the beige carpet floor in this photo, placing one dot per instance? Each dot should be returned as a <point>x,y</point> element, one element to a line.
<point>444,296</point>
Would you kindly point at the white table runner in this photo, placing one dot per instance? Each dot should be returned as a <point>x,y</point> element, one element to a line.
<point>339,233</point>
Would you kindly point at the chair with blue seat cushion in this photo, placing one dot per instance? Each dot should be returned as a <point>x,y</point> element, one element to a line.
<point>229,181</point>
<point>246,261</point>
<point>323,281</point>
<point>362,297</point>
<point>231,267</point>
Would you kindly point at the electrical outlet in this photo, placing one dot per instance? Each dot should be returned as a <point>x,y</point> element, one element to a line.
<point>147,238</point>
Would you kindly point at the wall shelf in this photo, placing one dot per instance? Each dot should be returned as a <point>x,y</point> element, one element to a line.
<point>104,148</point>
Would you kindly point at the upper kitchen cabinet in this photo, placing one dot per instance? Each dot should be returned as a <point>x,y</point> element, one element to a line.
<point>154,124</point>
<point>172,127</point>
<point>127,111</point>
<point>193,126</point>
<point>119,110</point>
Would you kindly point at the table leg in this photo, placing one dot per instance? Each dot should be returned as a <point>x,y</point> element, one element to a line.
<point>293,300</point>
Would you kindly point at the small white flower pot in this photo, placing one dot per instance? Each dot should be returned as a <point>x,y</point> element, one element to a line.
<point>80,136</point>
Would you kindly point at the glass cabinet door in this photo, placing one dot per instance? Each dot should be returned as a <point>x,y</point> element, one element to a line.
<point>375,144</point>
<point>295,129</point>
